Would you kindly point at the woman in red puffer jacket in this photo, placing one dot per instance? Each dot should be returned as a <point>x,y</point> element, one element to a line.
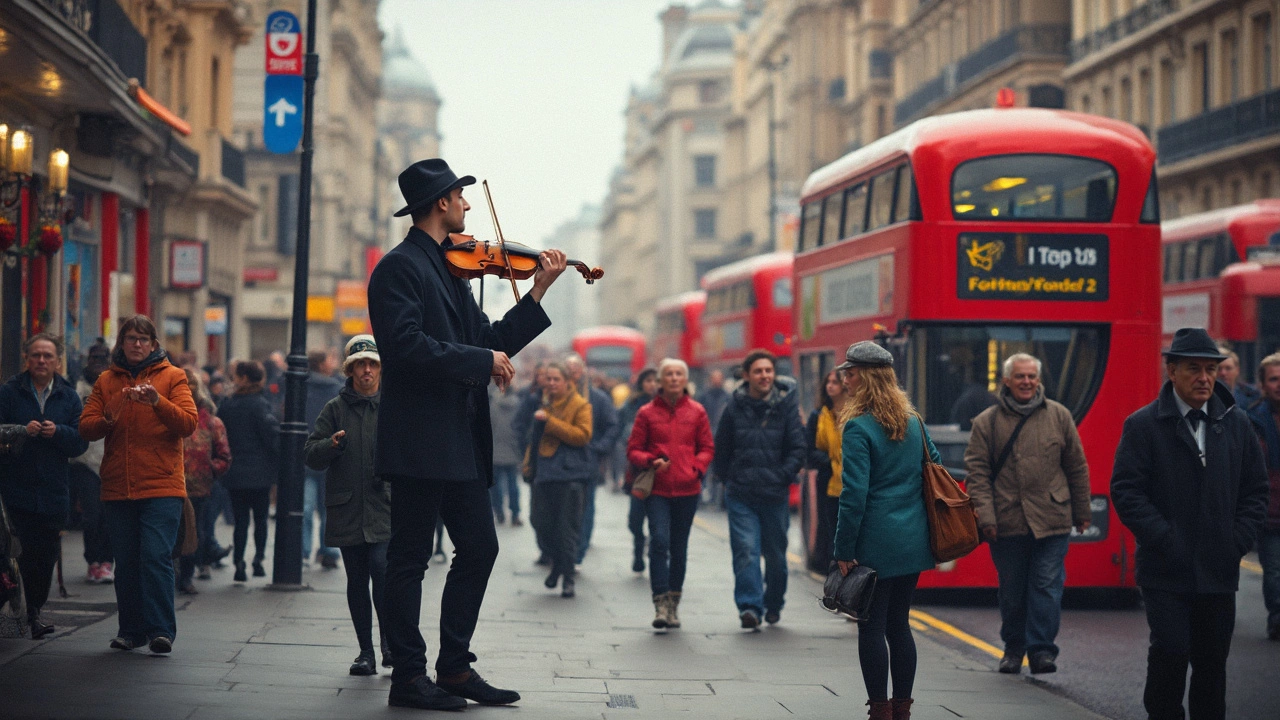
<point>672,435</point>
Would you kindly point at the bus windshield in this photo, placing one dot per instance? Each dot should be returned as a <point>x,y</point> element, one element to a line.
<point>954,371</point>
<point>1033,187</point>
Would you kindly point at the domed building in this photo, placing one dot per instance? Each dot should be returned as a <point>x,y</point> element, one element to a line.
<point>407,123</point>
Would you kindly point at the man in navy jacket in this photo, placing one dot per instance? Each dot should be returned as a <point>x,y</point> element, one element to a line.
<point>435,446</point>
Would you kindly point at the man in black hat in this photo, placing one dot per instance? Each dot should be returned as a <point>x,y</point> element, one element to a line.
<point>1190,482</point>
<point>434,442</point>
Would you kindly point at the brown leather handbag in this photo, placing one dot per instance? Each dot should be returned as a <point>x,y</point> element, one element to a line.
<point>953,523</point>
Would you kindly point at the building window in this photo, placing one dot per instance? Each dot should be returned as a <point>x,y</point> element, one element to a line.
<point>1107,108</point>
<point>704,171</point>
<point>1200,77</point>
<point>1206,198</point>
<point>1262,53</point>
<point>1146,100</point>
<point>1264,185</point>
<point>1230,67</point>
<point>1085,105</point>
<point>1169,82</point>
<point>265,237</point>
<point>704,223</point>
<point>1236,192</point>
<point>215,83</point>
<point>1126,100</point>
<point>710,91</point>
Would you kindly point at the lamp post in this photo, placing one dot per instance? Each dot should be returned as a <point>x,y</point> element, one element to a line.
<point>15,181</point>
<point>286,571</point>
<point>772,68</point>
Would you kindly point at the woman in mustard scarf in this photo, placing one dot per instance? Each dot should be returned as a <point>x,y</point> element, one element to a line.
<point>563,469</point>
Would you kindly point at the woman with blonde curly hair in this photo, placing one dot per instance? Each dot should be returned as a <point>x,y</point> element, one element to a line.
<point>882,523</point>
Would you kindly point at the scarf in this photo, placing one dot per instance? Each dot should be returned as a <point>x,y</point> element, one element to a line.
<point>156,356</point>
<point>1018,408</point>
<point>564,410</point>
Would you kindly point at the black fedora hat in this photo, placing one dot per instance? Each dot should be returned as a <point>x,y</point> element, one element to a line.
<point>1193,343</point>
<point>426,181</point>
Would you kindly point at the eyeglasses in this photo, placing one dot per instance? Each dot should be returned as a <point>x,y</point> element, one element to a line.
<point>136,340</point>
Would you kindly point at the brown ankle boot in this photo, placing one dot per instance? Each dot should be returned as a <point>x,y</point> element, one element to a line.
<point>879,710</point>
<point>673,606</point>
<point>901,708</point>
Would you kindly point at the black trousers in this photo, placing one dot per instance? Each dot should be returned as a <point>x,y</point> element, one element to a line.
<point>1188,629</point>
<point>557,519</point>
<point>464,508</point>
<point>243,502</point>
<point>886,648</point>
<point>39,534</point>
<point>88,487</point>
<point>365,563</point>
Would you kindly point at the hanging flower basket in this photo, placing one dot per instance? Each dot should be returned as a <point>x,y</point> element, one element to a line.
<point>8,234</point>
<point>50,239</point>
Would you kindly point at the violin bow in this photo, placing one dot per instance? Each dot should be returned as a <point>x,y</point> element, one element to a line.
<point>497,228</point>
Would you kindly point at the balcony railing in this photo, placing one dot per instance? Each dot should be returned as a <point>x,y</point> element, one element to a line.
<point>1024,40</point>
<point>103,22</point>
<point>77,12</point>
<point>1118,29</point>
<point>232,163</point>
<point>186,154</point>
<point>1241,121</point>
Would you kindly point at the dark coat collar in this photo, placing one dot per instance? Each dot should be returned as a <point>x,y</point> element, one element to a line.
<point>22,381</point>
<point>435,255</point>
<point>1220,403</point>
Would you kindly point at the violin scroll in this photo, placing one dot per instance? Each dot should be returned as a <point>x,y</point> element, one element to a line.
<point>590,274</point>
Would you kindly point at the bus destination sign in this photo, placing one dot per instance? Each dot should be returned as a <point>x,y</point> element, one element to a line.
<point>1032,266</point>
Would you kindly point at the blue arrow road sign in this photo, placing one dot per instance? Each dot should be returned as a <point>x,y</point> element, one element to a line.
<point>282,122</point>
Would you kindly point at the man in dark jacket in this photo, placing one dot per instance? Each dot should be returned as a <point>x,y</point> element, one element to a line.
<point>33,483</point>
<point>322,387</point>
<point>1266,420</point>
<point>604,435</point>
<point>1190,482</point>
<point>759,450</point>
<point>439,352</point>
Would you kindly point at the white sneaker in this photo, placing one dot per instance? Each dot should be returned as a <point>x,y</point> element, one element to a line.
<point>92,575</point>
<point>106,574</point>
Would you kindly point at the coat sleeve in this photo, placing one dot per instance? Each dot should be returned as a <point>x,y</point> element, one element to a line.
<point>638,453</point>
<point>1131,482</point>
<point>269,432</point>
<point>704,444</point>
<point>1076,468</point>
<point>855,473</point>
<point>1251,501</point>
<point>517,328</point>
<point>605,433</point>
<point>793,446</point>
<point>66,438</point>
<point>93,420</point>
<point>977,464</point>
<point>178,410</point>
<point>575,433</point>
<point>723,462</point>
<point>220,448</point>
<point>397,307</point>
<point>319,449</point>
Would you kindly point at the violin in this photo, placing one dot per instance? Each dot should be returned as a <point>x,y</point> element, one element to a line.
<point>469,259</point>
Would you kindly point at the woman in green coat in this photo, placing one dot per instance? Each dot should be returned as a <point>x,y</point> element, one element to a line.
<point>358,503</point>
<point>882,523</point>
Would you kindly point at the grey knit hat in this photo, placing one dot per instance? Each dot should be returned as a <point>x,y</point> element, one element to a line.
<point>866,354</point>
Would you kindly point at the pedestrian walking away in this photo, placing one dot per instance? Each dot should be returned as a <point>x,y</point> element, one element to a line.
<point>672,435</point>
<point>1266,420</point>
<point>882,522</point>
<point>252,431</point>
<point>1029,482</point>
<point>759,451</point>
<point>1190,482</point>
<point>34,482</point>
<point>206,454</point>
<point>564,467</point>
<point>439,352</point>
<point>359,522</point>
<point>142,405</point>
<point>86,483</point>
<point>645,390</point>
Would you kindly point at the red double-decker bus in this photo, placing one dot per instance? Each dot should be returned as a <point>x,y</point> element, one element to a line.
<point>964,238</point>
<point>614,350</point>
<point>748,307</point>
<point>1222,273</point>
<point>678,330</point>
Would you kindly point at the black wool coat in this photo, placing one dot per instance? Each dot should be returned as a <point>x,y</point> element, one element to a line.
<point>35,480</point>
<point>253,433</point>
<point>436,348</point>
<point>1193,522</point>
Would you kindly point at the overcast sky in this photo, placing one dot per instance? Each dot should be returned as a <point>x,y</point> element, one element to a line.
<point>533,94</point>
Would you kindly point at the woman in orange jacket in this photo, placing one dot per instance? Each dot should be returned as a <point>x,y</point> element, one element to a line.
<point>142,405</point>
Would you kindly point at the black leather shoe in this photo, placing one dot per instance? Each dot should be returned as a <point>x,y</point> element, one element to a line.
<point>749,619</point>
<point>423,694</point>
<point>240,576</point>
<point>258,570</point>
<point>637,565</point>
<point>40,629</point>
<point>475,688</point>
<point>566,590</point>
<point>1011,664</point>
<point>552,579</point>
<point>772,617</point>
<point>1042,662</point>
<point>364,664</point>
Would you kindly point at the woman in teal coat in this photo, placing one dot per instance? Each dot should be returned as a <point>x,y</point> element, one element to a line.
<point>882,523</point>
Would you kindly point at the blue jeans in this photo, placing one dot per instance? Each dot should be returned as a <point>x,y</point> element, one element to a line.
<point>588,517</point>
<point>506,482</point>
<point>143,533</point>
<point>1031,576</point>
<point>1269,557</point>
<point>757,529</point>
<point>313,503</point>
<point>669,522</point>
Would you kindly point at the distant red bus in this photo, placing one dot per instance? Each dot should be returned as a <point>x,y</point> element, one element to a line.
<point>678,329</point>
<point>616,351</point>
<point>748,307</point>
<point>964,238</point>
<point>1222,273</point>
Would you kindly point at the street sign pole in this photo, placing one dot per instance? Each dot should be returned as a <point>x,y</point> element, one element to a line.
<point>287,568</point>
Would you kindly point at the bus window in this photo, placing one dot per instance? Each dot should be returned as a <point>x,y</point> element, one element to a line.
<point>1175,262</point>
<point>881,212</point>
<point>1209,264</point>
<point>831,210</point>
<point>1033,187</point>
<point>906,208</point>
<point>1151,205</point>
<point>811,226</point>
<point>782,293</point>
<point>1190,260</point>
<point>855,210</point>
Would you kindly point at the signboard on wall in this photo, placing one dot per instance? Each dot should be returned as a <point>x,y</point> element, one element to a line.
<point>186,264</point>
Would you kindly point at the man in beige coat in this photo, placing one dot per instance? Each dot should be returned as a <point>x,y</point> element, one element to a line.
<point>1030,484</point>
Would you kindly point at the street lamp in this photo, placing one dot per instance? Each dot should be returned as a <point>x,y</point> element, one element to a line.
<point>20,152</point>
<point>772,68</point>
<point>59,161</point>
